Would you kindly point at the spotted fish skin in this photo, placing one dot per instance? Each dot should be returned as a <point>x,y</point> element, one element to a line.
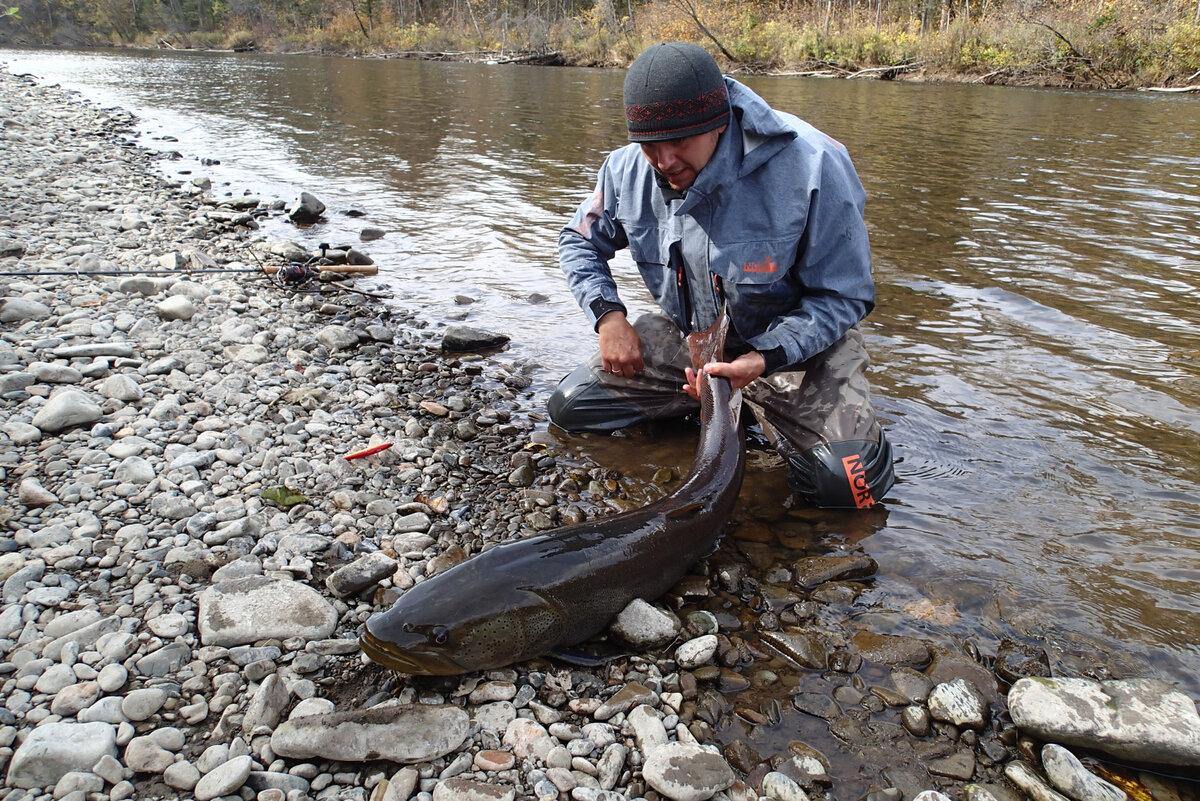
<point>522,599</point>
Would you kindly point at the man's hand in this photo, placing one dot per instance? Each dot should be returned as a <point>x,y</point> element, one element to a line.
<point>620,348</point>
<point>740,372</point>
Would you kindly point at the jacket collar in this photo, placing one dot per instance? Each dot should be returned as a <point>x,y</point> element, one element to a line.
<point>755,133</point>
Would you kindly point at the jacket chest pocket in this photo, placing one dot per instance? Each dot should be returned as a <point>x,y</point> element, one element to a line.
<point>757,281</point>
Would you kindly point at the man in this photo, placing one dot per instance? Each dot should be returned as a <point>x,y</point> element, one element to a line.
<point>723,200</point>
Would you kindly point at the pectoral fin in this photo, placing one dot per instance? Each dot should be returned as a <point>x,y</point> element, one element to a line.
<point>684,512</point>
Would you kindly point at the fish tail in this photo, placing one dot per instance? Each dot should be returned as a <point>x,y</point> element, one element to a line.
<point>709,345</point>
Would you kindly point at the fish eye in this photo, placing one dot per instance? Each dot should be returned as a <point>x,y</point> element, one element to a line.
<point>440,635</point>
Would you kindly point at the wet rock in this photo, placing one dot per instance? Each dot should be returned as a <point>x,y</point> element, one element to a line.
<point>686,772</point>
<point>1068,775</point>
<point>816,570</point>
<point>1030,783</point>
<point>958,702</point>
<point>1017,660</point>
<point>780,787</point>
<point>644,626</point>
<point>392,731</point>
<point>805,649</point>
<point>890,649</point>
<point>305,210</point>
<point>465,339</point>
<point>1143,719</point>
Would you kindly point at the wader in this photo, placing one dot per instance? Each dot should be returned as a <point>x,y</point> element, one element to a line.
<point>818,416</point>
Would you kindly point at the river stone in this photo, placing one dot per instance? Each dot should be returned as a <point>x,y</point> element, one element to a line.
<point>1069,776</point>
<point>55,749</point>
<point>392,731</point>
<point>31,493</point>
<point>696,652</point>
<point>803,648</point>
<point>84,636</point>
<point>890,649</point>
<point>780,787</point>
<point>1030,783</point>
<point>71,407</point>
<point>18,310</point>
<point>459,788</point>
<point>1141,719</point>
<point>958,702</point>
<point>176,307</point>
<point>121,387</point>
<point>224,779</point>
<point>686,772</point>
<point>143,755</point>
<point>253,608</point>
<point>644,626</point>
<point>361,573</point>
<point>305,209</point>
<point>462,339</point>
<point>337,337</point>
<point>815,570</point>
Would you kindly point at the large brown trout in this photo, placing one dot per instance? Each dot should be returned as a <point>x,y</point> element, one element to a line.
<point>525,598</point>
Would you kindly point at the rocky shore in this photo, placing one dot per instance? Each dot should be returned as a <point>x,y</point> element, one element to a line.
<point>186,557</point>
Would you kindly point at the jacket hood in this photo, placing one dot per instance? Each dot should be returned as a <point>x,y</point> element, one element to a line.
<point>765,131</point>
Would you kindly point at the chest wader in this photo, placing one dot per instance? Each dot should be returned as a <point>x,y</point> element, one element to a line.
<point>818,416</point>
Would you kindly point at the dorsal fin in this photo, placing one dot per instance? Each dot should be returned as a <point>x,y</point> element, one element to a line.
<point>709,345</point>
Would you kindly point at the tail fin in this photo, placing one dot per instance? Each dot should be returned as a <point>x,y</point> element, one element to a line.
<point>709,345</point>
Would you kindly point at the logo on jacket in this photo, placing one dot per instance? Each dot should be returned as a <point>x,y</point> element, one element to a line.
<point>856,474</point>
<point>768,266</point>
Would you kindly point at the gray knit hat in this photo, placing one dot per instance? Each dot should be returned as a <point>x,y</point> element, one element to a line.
<point>674,90</point>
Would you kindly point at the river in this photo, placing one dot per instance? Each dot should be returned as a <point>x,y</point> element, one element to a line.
<point>1036,345</point>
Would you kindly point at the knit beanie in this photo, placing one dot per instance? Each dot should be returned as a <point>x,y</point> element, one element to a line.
<point>674,90</point>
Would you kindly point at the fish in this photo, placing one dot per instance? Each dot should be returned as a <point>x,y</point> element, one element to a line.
<point>527,598</point>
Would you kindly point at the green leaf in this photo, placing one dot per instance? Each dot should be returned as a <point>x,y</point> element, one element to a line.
<point>282,496</point>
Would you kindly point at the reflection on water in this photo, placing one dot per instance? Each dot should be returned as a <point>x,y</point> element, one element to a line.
<point>1036,344</point>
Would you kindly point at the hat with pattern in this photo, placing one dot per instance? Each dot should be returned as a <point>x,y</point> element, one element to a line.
<point>674,90</point>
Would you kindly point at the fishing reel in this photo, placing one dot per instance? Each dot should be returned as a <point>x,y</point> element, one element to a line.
<point>296,275</point>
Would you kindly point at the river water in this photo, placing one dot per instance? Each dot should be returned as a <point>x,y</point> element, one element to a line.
<point>1036,343</point>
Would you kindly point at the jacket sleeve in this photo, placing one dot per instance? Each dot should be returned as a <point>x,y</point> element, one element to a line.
<point>588,243</point>
<point>832,267</point>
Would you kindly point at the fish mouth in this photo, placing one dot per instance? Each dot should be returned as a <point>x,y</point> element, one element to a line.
<point>412,661</point>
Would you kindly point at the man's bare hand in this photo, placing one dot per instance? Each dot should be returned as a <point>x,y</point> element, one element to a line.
<point>740,372</point>
<point>620,348</point>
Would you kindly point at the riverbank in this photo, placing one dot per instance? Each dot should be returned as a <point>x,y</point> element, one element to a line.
<point>149,639</point>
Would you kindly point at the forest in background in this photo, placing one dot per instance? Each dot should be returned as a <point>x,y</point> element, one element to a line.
<point>1078,43</point>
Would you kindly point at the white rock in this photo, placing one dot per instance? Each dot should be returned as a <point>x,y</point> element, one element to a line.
<point>253,608</point>
<point>1140,719</point>
<point>685,772</point>
<point>71,407</point>
<point>696,652</point>
<point>958,702</point>
<point>1071,778</point>
<point>223,779</point>
<point>176,307</point>
<point>53,750</point>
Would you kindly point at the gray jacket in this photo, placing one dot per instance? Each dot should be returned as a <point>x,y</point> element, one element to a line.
<point>775,220</point>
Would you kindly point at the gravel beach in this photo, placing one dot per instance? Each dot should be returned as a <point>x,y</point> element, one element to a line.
<point>187,558</point>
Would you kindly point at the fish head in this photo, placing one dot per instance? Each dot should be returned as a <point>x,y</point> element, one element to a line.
<point>438,629</point>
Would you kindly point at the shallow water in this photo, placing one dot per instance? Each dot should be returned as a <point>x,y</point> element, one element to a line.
<point>1036,343</point>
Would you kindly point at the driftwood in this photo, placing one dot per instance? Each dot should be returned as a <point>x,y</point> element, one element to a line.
<point>1173,89</point>
<point>886,73</point>
<point>833,71</point>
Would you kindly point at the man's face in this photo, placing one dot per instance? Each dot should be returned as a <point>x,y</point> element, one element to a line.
<point>679,161</point>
